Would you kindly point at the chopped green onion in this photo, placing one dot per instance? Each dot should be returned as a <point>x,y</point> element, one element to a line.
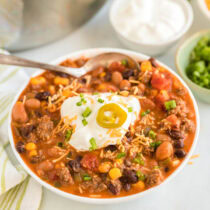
<point>87,112</point>
<point>100,100</point>
<point>93,144</point>
<point>124,62</point>
<point>138,160</point>
<point>145,113</point>
<point>156,167</point>
<point>68,134</point>
<point>152,134</point>
<point>140,175</point>
<point>130,109</point>
<point>84,122</point>
<point>96,93</point>
<point>87,177</point>
<point>155,144</point>
<point>120,155</point>
<point>81,95</point>
<point>170,105</point>
<point>83,101</point>
<point>79,103</point>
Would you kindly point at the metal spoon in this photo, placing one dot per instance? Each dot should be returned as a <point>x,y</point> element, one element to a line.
<point>99,60</point>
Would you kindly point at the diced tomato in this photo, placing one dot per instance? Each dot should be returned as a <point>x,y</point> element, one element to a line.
<point>116,66</point>
<point>162,97</point>
<point>90,161</point>
<point>160,81</point>
<point>175,122</point>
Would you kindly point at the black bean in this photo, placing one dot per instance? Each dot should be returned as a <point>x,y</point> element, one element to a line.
<point>111,148</point>
<point>153,62</point>
<point>108,76</point>
<point>20,147</point>
<point>113,189</point>
<point>128,73</point>
<point>129,176</point>
<point>127,187</point>
<point>75,164</point>
<point>26,130</point>
<point>175,134</point>
<point>43,96</point>
<point>180,153</point>
<point>83,80</point>
<point>166,169</point>
<point>179,144</point>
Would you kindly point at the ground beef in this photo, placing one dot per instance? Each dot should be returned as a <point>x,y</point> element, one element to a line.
<point>153,178</point>
<point>115,186</point>
<point>181,109</point>
<point>94,186</point>
<point>44,128</point>
<point>65,176</point>
<point>187,125</point>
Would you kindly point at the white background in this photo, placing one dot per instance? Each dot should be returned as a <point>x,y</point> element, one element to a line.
<point>190,189</point>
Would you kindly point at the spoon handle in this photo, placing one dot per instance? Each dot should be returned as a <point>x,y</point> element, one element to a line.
<point>17,61</point>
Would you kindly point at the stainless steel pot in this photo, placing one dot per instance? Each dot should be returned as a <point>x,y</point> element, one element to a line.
<point>43,21</point>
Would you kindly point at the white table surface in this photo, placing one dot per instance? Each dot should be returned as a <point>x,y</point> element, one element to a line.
<point>190,189</point>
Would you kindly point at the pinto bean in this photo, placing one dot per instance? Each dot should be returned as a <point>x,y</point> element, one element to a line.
<point>116,77</point>
<point>147,103</point>
<point>32,103</point>
<point>45,166</point>
<point>19,113</point>
<point>125,85</point>
<point>164,151</point>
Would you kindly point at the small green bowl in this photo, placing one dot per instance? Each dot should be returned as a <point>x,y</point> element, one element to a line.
<point>182,60</point>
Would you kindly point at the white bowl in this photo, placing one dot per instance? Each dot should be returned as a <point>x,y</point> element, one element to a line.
<point>156,48</point>
<point>91,53</point>
<point>203,7</point>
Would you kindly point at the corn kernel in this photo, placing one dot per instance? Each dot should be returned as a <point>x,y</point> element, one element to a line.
<point>32,153</point>
<point>102,74</point>
<point>104,167</point>
<point>67,93</point>
<point>61,81</point>
<point>140,185</point>
<point>52,89</point>
<point>115,173</point>
<point>38,81</point>
<point>30,146</point>
<point>146,66</point>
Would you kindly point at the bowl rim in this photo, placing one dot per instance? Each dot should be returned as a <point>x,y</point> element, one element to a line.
<point>189,20</point>
<point>89,53</point>
<point>182,46</point>
<point>204,9</point>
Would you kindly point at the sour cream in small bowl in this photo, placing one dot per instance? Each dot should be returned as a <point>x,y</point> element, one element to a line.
<point>150,26</point>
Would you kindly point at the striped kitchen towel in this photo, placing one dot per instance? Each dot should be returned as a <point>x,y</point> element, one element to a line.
<point>18,191</point>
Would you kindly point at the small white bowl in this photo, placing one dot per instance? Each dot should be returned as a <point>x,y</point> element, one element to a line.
<point>154,48</point>
<point>90,53</point>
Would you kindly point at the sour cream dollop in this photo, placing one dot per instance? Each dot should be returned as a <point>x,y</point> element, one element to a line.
<point>149,21</point>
